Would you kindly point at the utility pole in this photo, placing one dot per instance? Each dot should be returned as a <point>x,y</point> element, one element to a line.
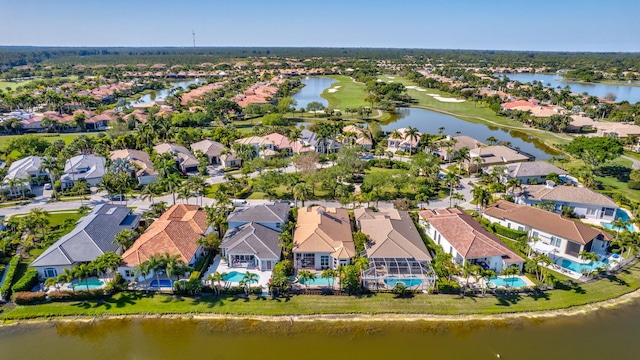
<point>194,38</point>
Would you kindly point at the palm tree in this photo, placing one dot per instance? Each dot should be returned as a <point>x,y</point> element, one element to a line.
<point>329,274</point>
<point>589,256</point>
<point>142,270</point>
<point>156,263</point>
<point>461,156</point>
<point>513,184</point>
<point>51,166</point>
<point>482,197</point>
<point>301,191</point>
<point>52,281</point>
<point>39,218</point>
<point>412,134</point>
<point>510,272</point>
<point>125,238</point>
<point>248,279</point>
<point>457,196</point>
<point>451,179</point>
<point>83,272</point>
<point>217,277</point>
<point>172,265</point>
<point>148,192</point>
<point>361,263</point>
<point>306,276</point>
<point>198,185</point>
<point>172,182</point>
<point>396,135</point>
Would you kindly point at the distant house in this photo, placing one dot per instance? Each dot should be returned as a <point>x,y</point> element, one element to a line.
<point>185,160</point>
<point>395,249</point>
<point>311,139</point>
<point>27,168</point>
<point>264,147</point>
<point>273,216</point>
<point>403,142</point>
<point>353,134</point>
<point>553,234</point>
<point>92,237</point>
<point>446,151</point>
<point>211,149</point>
<point>533,172</point>
<point>251,245</point>
<point>585,203</point>
<point>83,167</point>
<point>282,144</point>
<point>230,160</point>
<point>144,171</point>
<point>466,240</point>
<point>322,238</point>
<point>176,232</point>
<point>496,155</point>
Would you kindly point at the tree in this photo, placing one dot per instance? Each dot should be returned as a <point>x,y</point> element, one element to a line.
<point>52,281</point>
<point>400,289</point>
<point>329,274</point>
<point>125,238</point>
<point>595,151</point>
<point>412,134</point>
<point>172,265</point>
<point>210,242</point>
<point>216,277</point>
<point>451,179</point>
<point>248,279</point>
<point>314,107</point>
<point>513,184</point>
<point>481,197</point>
<point>107,262</point>
<point>301,191</point>
<point>305,277</point>
<point>156,263</point>
<point>83,272</point>
<point>589,256</point>
<point>172,183</point>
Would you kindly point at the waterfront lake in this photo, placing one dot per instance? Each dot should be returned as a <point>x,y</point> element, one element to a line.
<point>622,92</point>
<point>163,93</point>
<point>606,334</point>
<point>314,86</point>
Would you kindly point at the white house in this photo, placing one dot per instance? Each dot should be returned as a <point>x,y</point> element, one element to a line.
<point>466,240</point>
<point>251,245</point>
<point>144,171</point>
<point>27,169</point>
<point>83,167</point>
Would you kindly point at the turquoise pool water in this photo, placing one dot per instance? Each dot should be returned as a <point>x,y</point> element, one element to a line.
<point>93,284</point>
<point>408,282</point>
<point>624,217</point>
<point>511,282</point>
<point>580,268</point>
<point>235,276</point>
<point>317,281</point>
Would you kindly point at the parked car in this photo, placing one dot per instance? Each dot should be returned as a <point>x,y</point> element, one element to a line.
<point>239,202</point>
<point>119,197</point>
<point>48,186</point>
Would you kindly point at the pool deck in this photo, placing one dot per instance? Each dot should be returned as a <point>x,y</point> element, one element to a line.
<point>222,266</point>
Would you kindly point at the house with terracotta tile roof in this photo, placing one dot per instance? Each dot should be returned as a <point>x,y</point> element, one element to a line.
<point>264,147</point>
<point>175,232</point>
<point>395,249</point>
<point>322,238</point>
<point>466,240</point>
<point>586,203</point>
<point>554,234</point>
<point>357,135</point>
<point>283,143</point>
<point>144,171</point>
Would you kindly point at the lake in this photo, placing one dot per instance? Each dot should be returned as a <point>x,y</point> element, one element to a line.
<point>622,92</point>
<point>314,86</point>
<point>163,93</point>
<point>607,334</point>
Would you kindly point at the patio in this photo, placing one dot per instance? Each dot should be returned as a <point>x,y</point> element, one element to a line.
<point>384,273</point>
<point>222,266</point>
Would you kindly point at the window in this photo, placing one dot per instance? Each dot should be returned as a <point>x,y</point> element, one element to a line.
<point>128,273</point>
<point>556,241</point>
<point>50,272</point>
<point>536,234</point>
<point>324,261</point>
<point>509,225</point>
<point>608,212</point>
<point>591,211</point>
<point>520,228</point>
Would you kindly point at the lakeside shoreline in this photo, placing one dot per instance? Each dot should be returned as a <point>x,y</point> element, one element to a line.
<point>573,311</point>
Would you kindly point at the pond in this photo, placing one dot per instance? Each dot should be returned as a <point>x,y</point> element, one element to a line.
<point>163,93</point>
<point>314,86</point>
<point>430,122</point>
<point>628,92</point>
<point>608,334</point>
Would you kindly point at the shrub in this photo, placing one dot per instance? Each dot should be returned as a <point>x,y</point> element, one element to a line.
<point>27,297</point>
<point>26,282</point>
<point>506,232</point>
<point>117,284</point>
<point>8,278</point>
<point>284,266</point>
<point>633,185</point>
<point>67,295</point>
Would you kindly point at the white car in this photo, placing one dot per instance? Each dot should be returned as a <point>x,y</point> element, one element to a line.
<point>48,186</point>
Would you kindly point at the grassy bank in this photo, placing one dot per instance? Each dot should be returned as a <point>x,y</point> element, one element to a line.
<point>130,303</point>
<point>48,137</point>
<point>350,94</point>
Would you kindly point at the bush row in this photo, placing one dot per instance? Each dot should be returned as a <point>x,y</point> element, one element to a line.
<point>506,232</point>
<point>28,298</point>
<point>26,282</point>
<point>66,295</point>
<point>8,280</point>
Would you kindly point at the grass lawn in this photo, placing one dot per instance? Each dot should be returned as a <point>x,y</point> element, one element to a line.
<point>351,94</point>
<point>48,137</point>
<point>13,85</point>
<point>140,303</point>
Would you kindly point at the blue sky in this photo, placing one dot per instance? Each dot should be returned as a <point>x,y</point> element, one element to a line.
<point>553,25</point>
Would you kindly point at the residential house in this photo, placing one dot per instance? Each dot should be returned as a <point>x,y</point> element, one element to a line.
<point>353,134</point>
<point>496,155</point>
<point>323,146</point>
<point>230,160</point>
<point>584,202</point>
<point>395,249</point>
<point>282,144</point>
<point>185,160</point>
<point>27,169</point>
<point>83,167</point>
<point>264,147</point>
<point>551,233</point>
<point>143,171</point>
<point>322,238</point>
<point>251,245</point>
<point>273,216</point>
<point>92,237</point>
<point>211,149</point>
<point>447,147</point>
<point>402,141</point>
<point>531,172</point>
<point>466,240</point>
<point>175,232</point>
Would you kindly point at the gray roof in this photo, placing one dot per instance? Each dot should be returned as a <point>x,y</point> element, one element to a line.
<point>92,236</point>
<point>252,238</point>
<point>568,194</point>
<point>24,168</point>
<point>311,138</point>
<point>269,213</point>
<point>533,168</point>
<point>208,147</point>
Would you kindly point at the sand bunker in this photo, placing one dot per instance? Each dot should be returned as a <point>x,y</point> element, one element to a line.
<point>443,99</point>
<point>332,90</point>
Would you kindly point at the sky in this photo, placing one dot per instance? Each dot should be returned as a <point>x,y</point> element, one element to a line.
<point>541,25</point>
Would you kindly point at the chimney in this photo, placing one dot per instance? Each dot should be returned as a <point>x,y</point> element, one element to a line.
<point>550,184</point>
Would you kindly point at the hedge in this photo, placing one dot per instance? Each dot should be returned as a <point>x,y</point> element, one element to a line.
<point>67,295</point>
<point>28,298</point>
<point>26,282</point>
<point>506,232</point>
<point>8,280</point>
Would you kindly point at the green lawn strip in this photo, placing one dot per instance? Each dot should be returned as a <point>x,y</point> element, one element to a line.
<point>129,303</point>
<point>48,137</point>
<point>351,94</point>
<point>12,84</point>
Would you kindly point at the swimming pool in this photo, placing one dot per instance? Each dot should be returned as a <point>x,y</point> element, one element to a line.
<point>163,283</point>
<point>622,215</point>
<point>235,277</point>
<point>409,282</point>
<point>318,281</point>
<point>581,268</point>
<point>511,282</point>
<point>93,284</point>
